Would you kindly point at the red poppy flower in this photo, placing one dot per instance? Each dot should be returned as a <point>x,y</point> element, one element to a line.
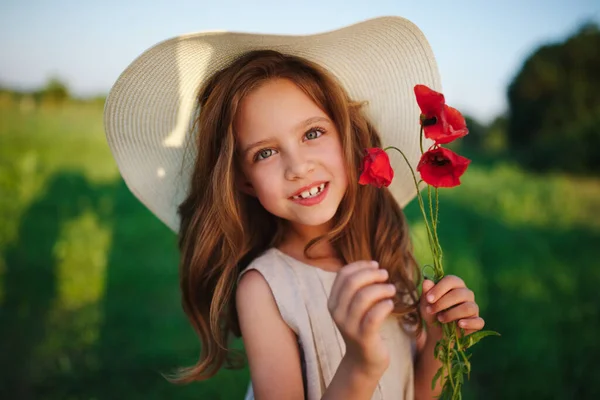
<point>441,167</point>
<point>376,169</point>
<point>441,123</point>
<point>456,126</point>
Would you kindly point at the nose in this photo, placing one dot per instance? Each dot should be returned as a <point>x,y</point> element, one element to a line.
<point>297,166</point>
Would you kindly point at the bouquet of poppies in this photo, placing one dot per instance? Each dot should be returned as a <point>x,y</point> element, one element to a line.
<point>438,167</point>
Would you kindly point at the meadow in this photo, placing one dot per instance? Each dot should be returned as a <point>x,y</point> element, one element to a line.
<point>89,298</point>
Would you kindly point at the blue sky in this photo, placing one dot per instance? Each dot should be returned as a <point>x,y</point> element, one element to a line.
<point>479,45</point>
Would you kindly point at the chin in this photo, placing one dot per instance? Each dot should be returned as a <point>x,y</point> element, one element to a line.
<point>316,219</point>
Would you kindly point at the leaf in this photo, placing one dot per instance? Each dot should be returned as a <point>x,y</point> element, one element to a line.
<point>437,376</point>
<point>436,350</point>
<point>446,392</point>
<point>475,337</point>
<point>457,369</point>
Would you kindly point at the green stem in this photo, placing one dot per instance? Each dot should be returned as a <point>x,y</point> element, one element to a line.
<point>421,139</point>
<point>449,353</point>
<point>437,239</point>
<point>419,197</point>
<point>450,330</point>
<point>436,248</point>
<point>437,205</point>
<point>433,219</point>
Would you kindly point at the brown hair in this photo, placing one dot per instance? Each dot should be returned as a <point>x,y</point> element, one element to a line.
<point>223,229</point>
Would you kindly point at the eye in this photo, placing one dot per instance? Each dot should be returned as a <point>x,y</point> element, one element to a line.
<point>264,153</point>
<point>314,133</point>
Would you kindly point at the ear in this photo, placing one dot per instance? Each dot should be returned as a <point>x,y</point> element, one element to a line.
<point>245,186</point>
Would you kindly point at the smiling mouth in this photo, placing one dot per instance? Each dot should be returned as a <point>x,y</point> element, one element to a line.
<point>312,192</point>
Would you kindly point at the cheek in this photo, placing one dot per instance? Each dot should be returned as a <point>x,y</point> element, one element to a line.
<point>266,186</point>
<point>266,191</point>
<point>338,166</point>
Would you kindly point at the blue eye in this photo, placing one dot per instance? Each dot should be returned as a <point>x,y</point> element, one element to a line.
<point>314,133</point>
<point>264,153</point>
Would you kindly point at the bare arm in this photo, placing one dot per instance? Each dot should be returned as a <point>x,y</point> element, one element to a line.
<point>426,366</point>
<point>271,347</point>
<point>351,382</point>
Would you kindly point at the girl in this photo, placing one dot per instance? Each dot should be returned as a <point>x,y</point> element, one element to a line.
<point>249,146</point>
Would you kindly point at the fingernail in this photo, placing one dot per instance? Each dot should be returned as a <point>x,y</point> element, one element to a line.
<point>440,318</point>
<point>428,309</point>
<point>462,324</point>
<point>374,263</point>
<point>430,298</point>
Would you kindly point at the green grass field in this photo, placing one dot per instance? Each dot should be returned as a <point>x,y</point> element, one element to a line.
<point>89,302</point>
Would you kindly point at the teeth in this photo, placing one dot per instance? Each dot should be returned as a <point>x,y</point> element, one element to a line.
<point>312,192</point>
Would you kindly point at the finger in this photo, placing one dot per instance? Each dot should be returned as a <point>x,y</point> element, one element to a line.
<point>355,282</point>
<point>471,325</point>
<point>423,303</point>
<point>346,272</point>
<point>365,299</point>
<point>373,319</point>
<point>427,285</point>
<point>450,299</point>
<point>446,284</point>
<point>464,310</point>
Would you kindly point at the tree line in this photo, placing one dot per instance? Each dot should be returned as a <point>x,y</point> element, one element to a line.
<point>553,117</point>
<point>54,93</point>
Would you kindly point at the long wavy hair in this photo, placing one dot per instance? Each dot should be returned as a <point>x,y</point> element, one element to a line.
<point>222,229</point>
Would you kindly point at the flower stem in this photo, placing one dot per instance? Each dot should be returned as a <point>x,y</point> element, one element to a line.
<point>450,336</point>
<point>434,221</point>
<point>421,139</point>
<point>437,205</point>
<point>419,197</point>
<point>437,239</point>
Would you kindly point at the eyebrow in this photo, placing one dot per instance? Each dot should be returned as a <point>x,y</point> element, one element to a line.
<point>301,125</point>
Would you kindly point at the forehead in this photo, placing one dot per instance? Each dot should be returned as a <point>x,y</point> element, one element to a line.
<point>276,107</point>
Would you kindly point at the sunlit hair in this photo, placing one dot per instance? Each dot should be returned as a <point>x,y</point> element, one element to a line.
<point>223,229</point>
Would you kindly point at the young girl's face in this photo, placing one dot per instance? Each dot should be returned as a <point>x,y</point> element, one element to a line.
<point>289,148</point>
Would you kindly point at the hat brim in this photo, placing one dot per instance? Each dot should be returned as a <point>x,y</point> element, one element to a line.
<point>149,110</point>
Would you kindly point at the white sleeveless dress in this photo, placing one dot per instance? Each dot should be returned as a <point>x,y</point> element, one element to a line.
<point>301,292</point>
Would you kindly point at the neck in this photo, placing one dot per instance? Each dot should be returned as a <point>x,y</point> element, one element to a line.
<point>298,236</point>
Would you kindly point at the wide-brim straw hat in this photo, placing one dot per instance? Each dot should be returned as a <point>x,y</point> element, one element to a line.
<point>150,109</point>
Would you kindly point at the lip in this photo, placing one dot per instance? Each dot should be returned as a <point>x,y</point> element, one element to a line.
<point>307,187</point>
<point>313,200</point>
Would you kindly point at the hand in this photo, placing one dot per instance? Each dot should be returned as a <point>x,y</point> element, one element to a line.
<point>452,301</point>
<point>359,303</point>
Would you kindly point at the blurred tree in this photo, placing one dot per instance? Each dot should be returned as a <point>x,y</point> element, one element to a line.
<point>54,93</point>
<point>554,104</point>
<point>495,136</point>
<point>488,141</point>
<point>476,133</point>
<point>6,97</point>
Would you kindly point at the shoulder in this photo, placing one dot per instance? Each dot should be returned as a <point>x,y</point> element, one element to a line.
<point>269,278</point>
<point>253,287</point>
<point>258,275</point>
<point>253,284</point>
<point>263,261</point>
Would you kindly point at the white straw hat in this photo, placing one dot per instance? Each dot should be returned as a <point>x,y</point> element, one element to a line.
<point>150,108</point>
